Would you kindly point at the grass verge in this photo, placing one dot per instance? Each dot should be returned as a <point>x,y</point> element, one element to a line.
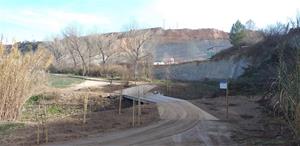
<point>8,127</point>
<point>58,81</point>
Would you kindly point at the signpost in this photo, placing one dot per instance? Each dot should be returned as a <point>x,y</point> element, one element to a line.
<point>224,86</point>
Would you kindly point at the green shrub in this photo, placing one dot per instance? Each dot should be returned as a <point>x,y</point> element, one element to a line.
<point>63,81</point>
<point>54,109</point>
<point>34,99</point>
<point>6,127</point>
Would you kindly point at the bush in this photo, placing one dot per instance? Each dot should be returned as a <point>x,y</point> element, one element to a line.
<point>54,109</point>
<point>120,71</point>
<point>22,75</point>
<point>34,99</point>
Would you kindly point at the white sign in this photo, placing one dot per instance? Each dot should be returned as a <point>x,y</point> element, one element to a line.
<point>223,85</point>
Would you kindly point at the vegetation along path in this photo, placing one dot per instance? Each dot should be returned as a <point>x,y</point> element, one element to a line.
<point>181,124</point>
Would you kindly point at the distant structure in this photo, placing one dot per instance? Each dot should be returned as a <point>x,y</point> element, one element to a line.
<point>169,60</point>
<point>165,61</point>
<point>159,63</point>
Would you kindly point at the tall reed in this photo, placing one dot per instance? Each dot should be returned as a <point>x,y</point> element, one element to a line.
<point>21,76</point>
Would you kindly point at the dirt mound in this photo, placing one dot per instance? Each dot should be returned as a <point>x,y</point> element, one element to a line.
<point>179,35</point>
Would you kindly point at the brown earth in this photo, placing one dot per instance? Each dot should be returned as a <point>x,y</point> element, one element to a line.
<point>72,128</point>
<point>181,124</point>
<point>251,123</point>
<point>67,121</point>
<point>179,35</point>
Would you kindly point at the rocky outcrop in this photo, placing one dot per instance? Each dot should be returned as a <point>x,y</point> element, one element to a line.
<point>175,45</point>
<point>189,50</point>
<point>186,45</point>
<point>196,71</point>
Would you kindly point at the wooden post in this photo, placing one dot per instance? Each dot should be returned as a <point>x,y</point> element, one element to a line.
<point>120,102</point>
<point>38,125</point>
<point>224,85</point>
<point>139,107</point>
<point>227,103</point>
<point>133,112</point>
<point>85,103</point>
<point>45,124</point>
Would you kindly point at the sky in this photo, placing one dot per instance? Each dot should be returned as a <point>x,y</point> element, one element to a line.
<point>36,20</point>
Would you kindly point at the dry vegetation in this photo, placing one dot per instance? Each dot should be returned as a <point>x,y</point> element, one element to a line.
<point>21,76</point>
<point>125,55</point>
<point>63,113</point>
<point>287,98</point>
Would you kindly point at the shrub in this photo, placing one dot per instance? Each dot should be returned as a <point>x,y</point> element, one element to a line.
<point>34,99</point>
<point>21,75</point>
<point>54,109</point>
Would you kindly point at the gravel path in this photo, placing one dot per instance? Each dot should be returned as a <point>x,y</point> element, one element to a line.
<point>181,124</point>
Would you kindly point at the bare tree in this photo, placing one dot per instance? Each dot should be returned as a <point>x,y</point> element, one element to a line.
<point>57,48</point>
<point>148,66</point>
<point>76,47</point>
<point>295,22</point>
<point>89,48</point>
<point>276,30</point>
<point>105,44</point>
<point>134,44</point>
<point>250,25</point>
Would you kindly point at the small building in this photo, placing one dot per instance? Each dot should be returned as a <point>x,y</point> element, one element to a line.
<point>159,63</point>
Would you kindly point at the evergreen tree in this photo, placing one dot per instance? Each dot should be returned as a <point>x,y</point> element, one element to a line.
<point>237,33</point>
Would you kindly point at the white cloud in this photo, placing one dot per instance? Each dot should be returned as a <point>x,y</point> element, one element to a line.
<point>217,13</point>
<point>220,14</point>
<point>49,22</point>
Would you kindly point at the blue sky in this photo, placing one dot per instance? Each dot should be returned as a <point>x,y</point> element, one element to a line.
<point>43,19</point>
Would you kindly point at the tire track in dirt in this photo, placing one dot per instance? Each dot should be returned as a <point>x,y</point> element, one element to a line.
<point>181,124</point>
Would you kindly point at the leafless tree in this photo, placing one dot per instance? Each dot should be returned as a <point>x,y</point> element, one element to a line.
<point>295,22</point>
<point>57,48</point>
<point>148,66</point>
<point>90,51</point>
<point>105,44</point>
<point>250,25</point>
<point>76,47</point>
<point>134,44</point>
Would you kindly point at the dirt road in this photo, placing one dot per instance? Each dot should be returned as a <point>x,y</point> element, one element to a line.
<point>181,124</point>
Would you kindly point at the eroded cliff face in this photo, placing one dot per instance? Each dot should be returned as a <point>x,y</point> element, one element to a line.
<point>182,45</point>
<point>186,45</point>
<point>196,71</point>
<point>192,50</point>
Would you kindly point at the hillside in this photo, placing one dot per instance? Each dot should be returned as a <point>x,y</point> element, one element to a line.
<point>183,45</point>
<point>252,66</point>
<point>187,45</point>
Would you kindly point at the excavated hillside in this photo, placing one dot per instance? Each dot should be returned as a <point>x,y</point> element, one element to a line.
<point>179,45</point>
<point>255,64</point>
<point>189,49</point>
<point>184,45</point>
<point>218,62</point>
<point>228,63</point>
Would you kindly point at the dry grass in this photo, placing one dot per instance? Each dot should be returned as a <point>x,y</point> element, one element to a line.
<point>21,75</point>
<point>71,127</point>
<point>288,84</point>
